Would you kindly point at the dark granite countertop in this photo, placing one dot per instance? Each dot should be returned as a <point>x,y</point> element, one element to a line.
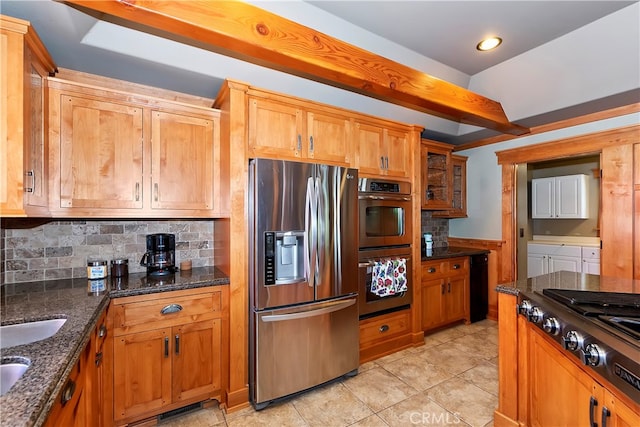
<point>452,252</point>
<point>81,302</point>
<point>570,280</point>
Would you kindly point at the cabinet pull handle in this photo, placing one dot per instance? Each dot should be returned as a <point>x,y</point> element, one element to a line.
<point>102,331</point>
<point>386,162</point>
<point>431,270</point>
<point>98,358</point>
<point>456,266</point>
<point>171,308</point>
<point>32,188</point>
<point>177,343</point>
<point>606,413</point>
<point>384,328</point>
<point>68,391</point>
<point>442,287</point>
<point>449,288</point>
<point>137,191</point>
<point>166,347</point>
<point>593,402</point>
<point>299,142</point>
<point>381,162</point>
<point>155,191</point>
<point>311,144</point>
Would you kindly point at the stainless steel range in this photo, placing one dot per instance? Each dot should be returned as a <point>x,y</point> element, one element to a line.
<point>601,329</point>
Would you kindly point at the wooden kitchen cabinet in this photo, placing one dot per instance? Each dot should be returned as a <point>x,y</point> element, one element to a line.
<point>182,161</point>
<point>25,64</point>
<point>436,175</point>
<point>101,150</point>
<point>385,334</point>
<point>168,351</point>
<point>560,197</point>
<point>382,150</point>
<point>444,292</point>
<point>117,154</point>
<point>458,188</point>
<point>561,393</point>
<point>290,129</point>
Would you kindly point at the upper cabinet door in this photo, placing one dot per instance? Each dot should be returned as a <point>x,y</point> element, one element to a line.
<point>437,176</point>
<point>100,154</point>
<point>275,130</point>
<point>328,137</point>
<point>398,152</point>
<point>543,198</point>
<point>369,140</point>
<point>181,161</point>
<point>571,196</point>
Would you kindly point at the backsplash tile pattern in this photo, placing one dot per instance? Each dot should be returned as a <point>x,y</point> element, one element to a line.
<point>59,249</point>
<point>438,227</point>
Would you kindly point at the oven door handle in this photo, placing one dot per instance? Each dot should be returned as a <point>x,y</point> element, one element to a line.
<point>390,198</point>
<point>366,264</point>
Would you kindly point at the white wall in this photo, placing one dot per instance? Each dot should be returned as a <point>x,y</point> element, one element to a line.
<point>484,178</point>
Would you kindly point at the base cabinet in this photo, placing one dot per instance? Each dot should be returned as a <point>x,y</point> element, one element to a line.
<point>167,351</point>
<point>445,292</point>
<point>563,394</point>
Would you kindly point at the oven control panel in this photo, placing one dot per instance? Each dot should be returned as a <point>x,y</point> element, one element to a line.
<point>591,345</point>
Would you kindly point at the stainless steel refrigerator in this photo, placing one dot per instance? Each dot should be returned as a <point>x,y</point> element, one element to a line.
<point>303,277</point>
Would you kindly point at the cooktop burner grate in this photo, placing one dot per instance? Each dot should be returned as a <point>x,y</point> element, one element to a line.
<point>602,299</point>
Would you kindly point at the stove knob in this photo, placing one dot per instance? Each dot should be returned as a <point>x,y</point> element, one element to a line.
<point>524,307</point>
<point>593,355</point>
<point>572,341</point>
<point>551,326</point>
<point>535,315</point>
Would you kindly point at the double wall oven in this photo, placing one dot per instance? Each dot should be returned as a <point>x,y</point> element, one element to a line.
<point>385,235</point>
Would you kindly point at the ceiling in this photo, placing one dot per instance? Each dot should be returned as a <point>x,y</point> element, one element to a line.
<point>435,37</point>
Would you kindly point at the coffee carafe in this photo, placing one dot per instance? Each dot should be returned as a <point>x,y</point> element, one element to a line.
<point>161,254</point>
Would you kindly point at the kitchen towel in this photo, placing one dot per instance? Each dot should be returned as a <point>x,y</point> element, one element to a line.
<point>389,277</point>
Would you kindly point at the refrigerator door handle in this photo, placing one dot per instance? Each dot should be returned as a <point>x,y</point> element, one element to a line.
<point>320,229</point>
<point>310,232</point>
<point>336,306</point>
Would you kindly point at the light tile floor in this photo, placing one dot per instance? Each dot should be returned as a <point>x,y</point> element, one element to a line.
<point>451,380</point>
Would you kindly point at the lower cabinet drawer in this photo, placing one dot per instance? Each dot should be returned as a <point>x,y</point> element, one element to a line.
<point>151,312</point>
<point>385,326</point>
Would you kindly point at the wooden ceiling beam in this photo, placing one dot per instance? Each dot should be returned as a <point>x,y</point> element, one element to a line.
<point>246,32</point>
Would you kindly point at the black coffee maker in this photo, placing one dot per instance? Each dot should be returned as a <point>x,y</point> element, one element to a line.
<point>161,254</point>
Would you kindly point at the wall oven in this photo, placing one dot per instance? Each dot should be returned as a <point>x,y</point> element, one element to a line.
<point>384,213</point>
<point>384,257</point>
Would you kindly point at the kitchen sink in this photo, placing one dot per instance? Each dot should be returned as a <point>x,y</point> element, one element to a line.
<point>11,371</point>
<point>28,332</point>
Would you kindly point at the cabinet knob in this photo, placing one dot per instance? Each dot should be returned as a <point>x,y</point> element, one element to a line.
<point>456,266</point>
<point>431,270</point>
<point>384,328</point>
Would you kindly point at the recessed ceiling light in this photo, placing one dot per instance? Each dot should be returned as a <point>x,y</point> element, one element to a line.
<point>489,43</point>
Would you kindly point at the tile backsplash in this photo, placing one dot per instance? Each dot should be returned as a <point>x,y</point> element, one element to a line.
<point>59,249</point>
<point>438,227</point>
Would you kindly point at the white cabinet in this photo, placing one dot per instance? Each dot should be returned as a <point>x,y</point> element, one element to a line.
<point>543,259</point>
<point>591,260</point>
<point>560,197</point>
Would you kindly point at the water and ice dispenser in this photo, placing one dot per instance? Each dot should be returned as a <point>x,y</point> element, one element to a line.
<point>284,257</point>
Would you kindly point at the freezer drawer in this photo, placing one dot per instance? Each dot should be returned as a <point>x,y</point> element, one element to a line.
<point>302,347</point>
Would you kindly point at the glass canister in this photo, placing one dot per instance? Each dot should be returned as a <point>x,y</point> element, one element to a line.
<point>96,269</point>
<point>119,267</point>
